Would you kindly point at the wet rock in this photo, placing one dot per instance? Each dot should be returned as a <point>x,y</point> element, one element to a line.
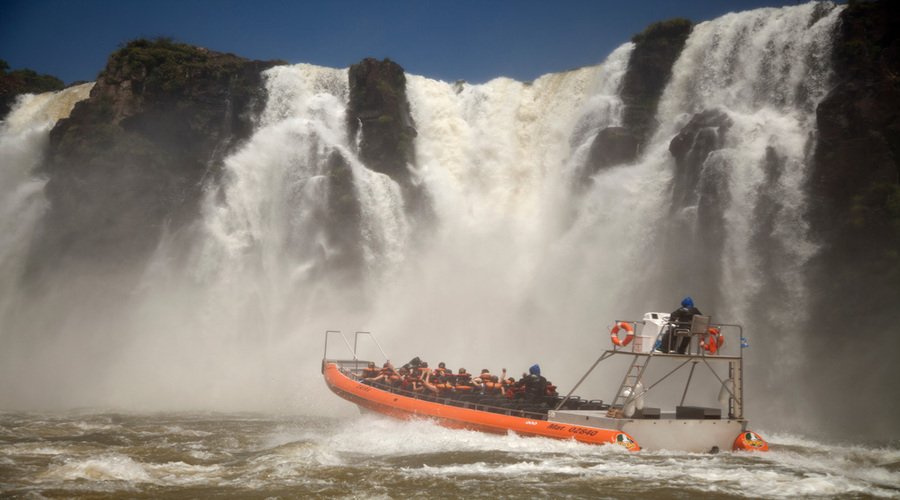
<point>704,134</point>
<point>133,159</point>
<point>379,112</point>
<point>649,69</point>
<point>613,146</point>
<point>854,186</point>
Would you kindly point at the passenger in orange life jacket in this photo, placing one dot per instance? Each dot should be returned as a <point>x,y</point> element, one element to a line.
<point>486,381</point>
<point>463,381</point>
<point>493,386</point>
<point>439,383</point>
<point>422,372</point>
<point>407,382</point>
<point>509,387</point>
<point>442,369</point>
<point>388,374</point>
<point>370,371</point>
<point>478,381</point>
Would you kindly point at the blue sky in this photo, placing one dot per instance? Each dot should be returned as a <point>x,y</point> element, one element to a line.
<point>445,40</point>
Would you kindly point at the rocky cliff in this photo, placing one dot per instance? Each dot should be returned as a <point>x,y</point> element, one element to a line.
<point>855,189</point>
<point>130,161</point>
<point>379,113</point>
<point>649,69</point>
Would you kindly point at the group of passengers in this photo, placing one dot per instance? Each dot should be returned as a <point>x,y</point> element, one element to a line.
<point>416,376</point>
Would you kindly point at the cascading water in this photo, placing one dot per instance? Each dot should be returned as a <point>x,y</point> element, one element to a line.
<point>765,70</point>
<point>518,261</point>
<point>23,139</point>
<point>498,160</point>
<point>513,261</point>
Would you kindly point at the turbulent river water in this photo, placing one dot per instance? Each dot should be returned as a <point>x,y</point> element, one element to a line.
<point>93,454</point>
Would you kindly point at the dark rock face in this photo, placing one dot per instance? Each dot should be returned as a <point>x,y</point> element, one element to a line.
<point>613,146</point>
<point>855,193</point>
<point>379,111</point>
<point>132,159</point>
<point>649,69</point>
<point>699,187</point>
<point>704,134</point>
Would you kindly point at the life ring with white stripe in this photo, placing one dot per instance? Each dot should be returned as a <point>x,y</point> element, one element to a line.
<point>614,334</point>
<point>712,341</point>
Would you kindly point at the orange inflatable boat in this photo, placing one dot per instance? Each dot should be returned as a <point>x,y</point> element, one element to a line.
<point>624,420</point>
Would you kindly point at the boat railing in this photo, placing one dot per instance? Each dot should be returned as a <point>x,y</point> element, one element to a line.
<point>494,403</point>
<point>648,335</point>
<point>355,364</point>
<point>633,386</point>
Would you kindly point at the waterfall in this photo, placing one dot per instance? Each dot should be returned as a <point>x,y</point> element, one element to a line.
<point>23,138</point>
<point>766,70</point>
<point>738,239</point>
<point>516,267</point>
<point>498,160</point>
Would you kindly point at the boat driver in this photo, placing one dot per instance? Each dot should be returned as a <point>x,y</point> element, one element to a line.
<point>679,318</point>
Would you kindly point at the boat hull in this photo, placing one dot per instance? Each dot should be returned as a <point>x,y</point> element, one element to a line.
<point>407,408</point>
<point>666,433</point>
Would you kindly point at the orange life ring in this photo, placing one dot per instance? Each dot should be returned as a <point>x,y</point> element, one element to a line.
<point>614,334</point>
<point>712,341</point>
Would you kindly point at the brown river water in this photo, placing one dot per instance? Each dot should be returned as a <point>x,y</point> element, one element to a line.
<point>107,455</point>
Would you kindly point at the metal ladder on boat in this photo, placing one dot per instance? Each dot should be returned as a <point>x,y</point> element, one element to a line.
<point>631,380</point>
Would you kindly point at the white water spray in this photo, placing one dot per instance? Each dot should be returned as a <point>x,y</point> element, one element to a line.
<point>515,269</point>
<point>23,139</point>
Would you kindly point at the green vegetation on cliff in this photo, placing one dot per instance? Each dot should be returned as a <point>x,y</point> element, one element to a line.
<point>23,81</point>
<point>163,65</point>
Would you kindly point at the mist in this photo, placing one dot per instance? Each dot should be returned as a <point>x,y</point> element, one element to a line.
<point>517,266</point>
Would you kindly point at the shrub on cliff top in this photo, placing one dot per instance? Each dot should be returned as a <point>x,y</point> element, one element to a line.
<point>26,81</point>
<point>672,30</point>
<point>162,64</point>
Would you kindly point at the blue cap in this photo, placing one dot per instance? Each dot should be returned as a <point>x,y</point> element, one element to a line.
<point>535,370</point>
<point>687,302</point>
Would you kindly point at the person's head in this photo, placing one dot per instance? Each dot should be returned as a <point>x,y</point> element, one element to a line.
<point>687,302</point>
<point>535,369</point>
<point>424,364</point>
<point>462,371</point>
<point>485,370</point>
<point>494,379</point>
<point>371,364</point>
<point>442,365</point>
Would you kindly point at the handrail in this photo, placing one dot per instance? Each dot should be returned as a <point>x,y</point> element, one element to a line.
<point>469,405</point>
<point>354,348</point>
<point>372,336</point>
<point>325,354</point>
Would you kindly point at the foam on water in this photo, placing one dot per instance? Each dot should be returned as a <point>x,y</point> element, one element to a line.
<point>781,473</point>
<point>109,467</point>
<point>198,454</point>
